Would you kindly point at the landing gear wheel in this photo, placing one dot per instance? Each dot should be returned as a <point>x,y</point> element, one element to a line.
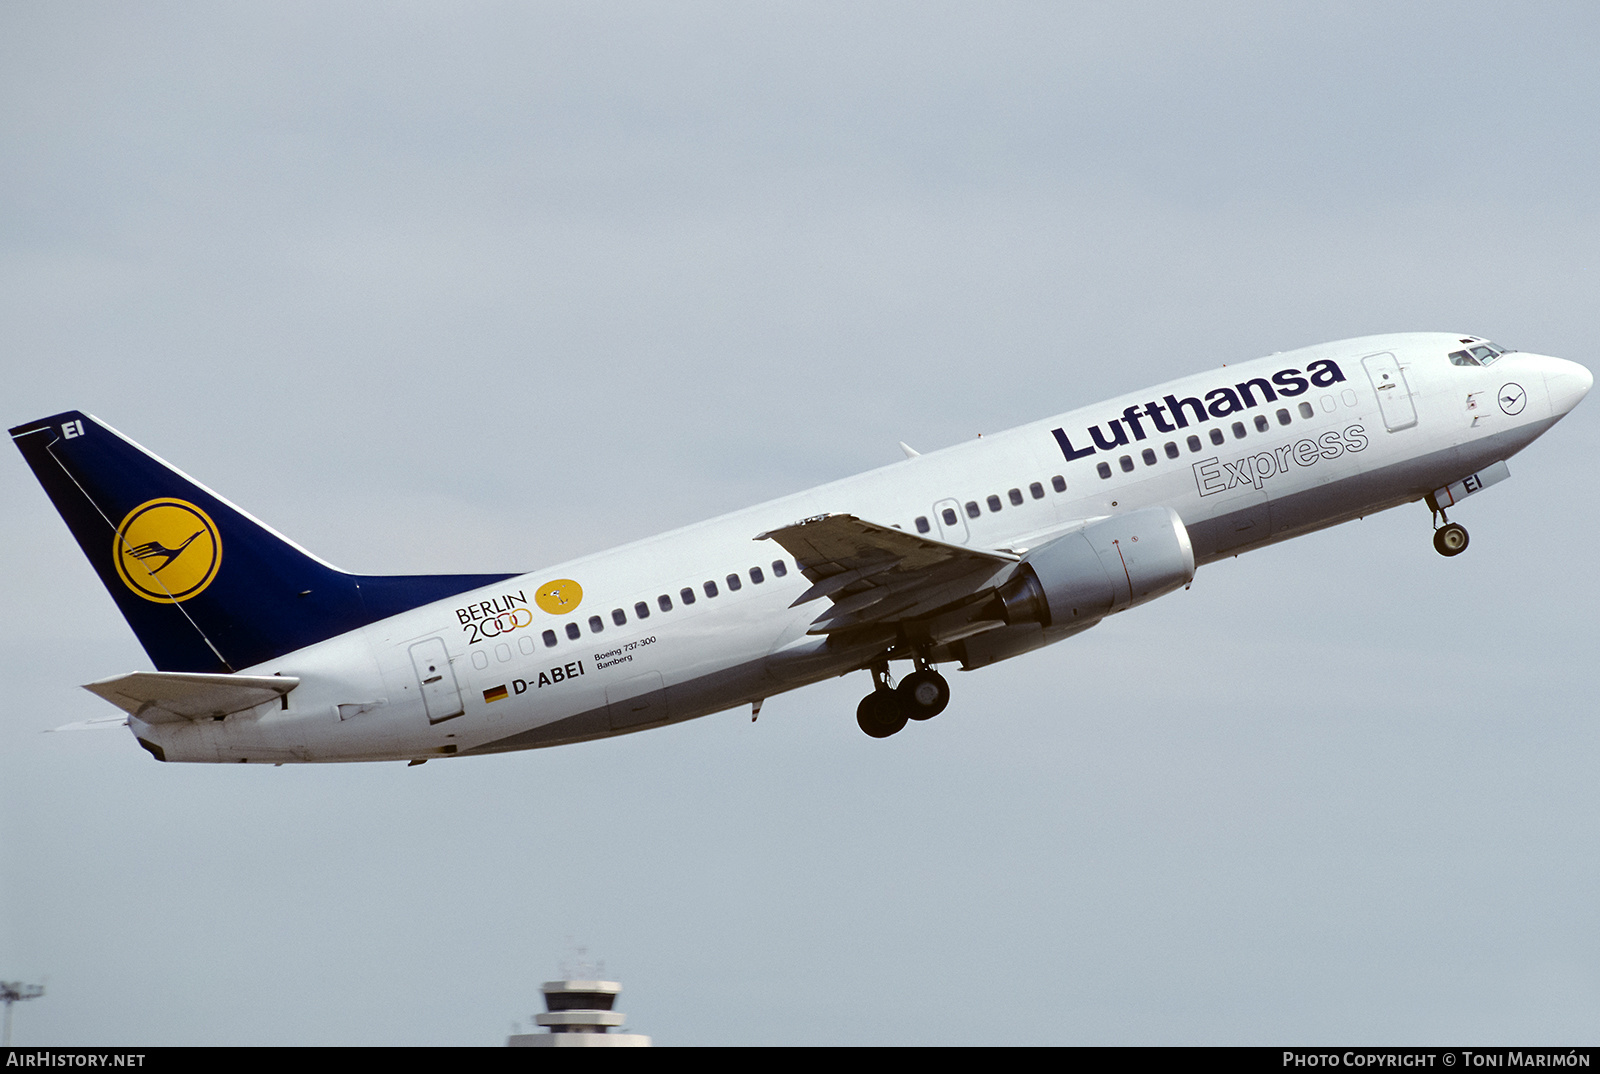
<point>923,694</point>
<point>1450,539</point>
<point>880,713</point>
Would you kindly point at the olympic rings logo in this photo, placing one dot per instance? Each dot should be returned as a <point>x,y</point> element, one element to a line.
<point>506,622</point>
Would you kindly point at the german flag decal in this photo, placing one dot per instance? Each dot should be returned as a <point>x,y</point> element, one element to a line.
<point>493,694</point>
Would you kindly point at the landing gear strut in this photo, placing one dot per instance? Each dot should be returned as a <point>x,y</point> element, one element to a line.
<point>1449,539</point>
<point>922,695</point>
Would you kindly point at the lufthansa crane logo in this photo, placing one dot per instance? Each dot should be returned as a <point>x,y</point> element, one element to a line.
<point>167,550</point>
<point>1513,399</point>
<point>559,597</point>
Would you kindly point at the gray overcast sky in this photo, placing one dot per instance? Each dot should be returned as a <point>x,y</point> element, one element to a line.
<point>479,287</point>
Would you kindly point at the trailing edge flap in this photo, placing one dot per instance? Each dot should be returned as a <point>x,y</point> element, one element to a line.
<point>175,696</point>
<point>878,574</point>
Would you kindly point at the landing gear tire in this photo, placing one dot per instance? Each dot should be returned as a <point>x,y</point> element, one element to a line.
<point>923,695</point>
<point>1450,539</point>
<point>880,713</point>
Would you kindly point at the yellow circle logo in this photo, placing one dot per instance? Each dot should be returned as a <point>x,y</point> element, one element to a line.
<point>559,597</point>
<point>167,550</point>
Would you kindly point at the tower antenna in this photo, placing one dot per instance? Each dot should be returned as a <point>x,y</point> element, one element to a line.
<point>11,992</point>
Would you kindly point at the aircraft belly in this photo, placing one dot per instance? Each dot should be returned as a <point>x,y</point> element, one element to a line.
<point>1366,492</point>
<point>637,702</point>
<point>684,700</point>
<point>687,666</point>
<point>1246,524</point>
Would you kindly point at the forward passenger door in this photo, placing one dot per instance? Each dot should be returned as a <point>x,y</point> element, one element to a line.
<point>1394,394</point>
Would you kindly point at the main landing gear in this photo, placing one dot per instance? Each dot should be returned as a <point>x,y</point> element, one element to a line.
<point>1449,539</point>
<point>921,695</point>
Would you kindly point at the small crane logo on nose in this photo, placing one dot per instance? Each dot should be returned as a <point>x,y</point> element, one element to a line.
<point>1513,398</point>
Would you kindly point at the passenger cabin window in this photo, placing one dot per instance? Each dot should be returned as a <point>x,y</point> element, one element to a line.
<point>1126,462</point>
<point>1306,411</point>
<point>1194,443</point>
<point>1238,430</point>
<point>922,524</point>
<point>994,503</point>
<point>1104,469</point>
<point>549,637</point>
<point>664,602</point>
<point>711,589</point>
<point>1058,483</point>
<point>949,516</point>
<point>1036,490</point>
<point>778,568</point>
<point>733,583</point>
<point>573,632</point>
<point>641,610</point>
<point>1015,496</point>
<point>596,624</point>
<point>1216,436</point>
<point>756,576</point>
<point>1171,450</point>
<point>1283,417</point>
<point>1261,423</point>
<point>1149,456</point>
<point>972,509</point>
<point>686,595</point>
<point>619,617</point>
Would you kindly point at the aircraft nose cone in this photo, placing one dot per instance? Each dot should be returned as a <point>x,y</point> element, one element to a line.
<point>1568,383</point>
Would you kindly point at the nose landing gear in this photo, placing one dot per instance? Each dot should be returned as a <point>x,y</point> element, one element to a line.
<point>922,695</point>
<point>1449,539</point>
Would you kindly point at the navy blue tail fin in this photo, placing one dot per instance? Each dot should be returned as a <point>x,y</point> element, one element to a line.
<point>205,586</point>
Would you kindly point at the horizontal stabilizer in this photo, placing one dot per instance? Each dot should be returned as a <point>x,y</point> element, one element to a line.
<point>99,723</point>
<point>174,696</point>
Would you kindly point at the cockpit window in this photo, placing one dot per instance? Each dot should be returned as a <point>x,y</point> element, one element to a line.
<point>1480,352</point>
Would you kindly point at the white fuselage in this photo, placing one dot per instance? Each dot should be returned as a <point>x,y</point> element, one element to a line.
<point>1333,447</point>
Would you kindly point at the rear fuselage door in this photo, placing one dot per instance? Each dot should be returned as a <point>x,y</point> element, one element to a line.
<point>440,694</point>
<point>952,526</point>
<point>1394,394</point>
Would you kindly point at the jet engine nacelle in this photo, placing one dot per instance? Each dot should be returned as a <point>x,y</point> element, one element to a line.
<point>1103,568</point>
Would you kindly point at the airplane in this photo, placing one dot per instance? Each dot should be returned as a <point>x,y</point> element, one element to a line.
<point>969,555</point>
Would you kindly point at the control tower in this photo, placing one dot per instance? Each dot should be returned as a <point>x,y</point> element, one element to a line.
<point>578,1014</point>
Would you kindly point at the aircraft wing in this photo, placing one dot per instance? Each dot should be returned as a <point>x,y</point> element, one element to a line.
<point>175,696</point>
<point>877,575</point>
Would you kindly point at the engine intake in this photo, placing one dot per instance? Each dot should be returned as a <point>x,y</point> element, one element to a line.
<point>1103,568</point>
